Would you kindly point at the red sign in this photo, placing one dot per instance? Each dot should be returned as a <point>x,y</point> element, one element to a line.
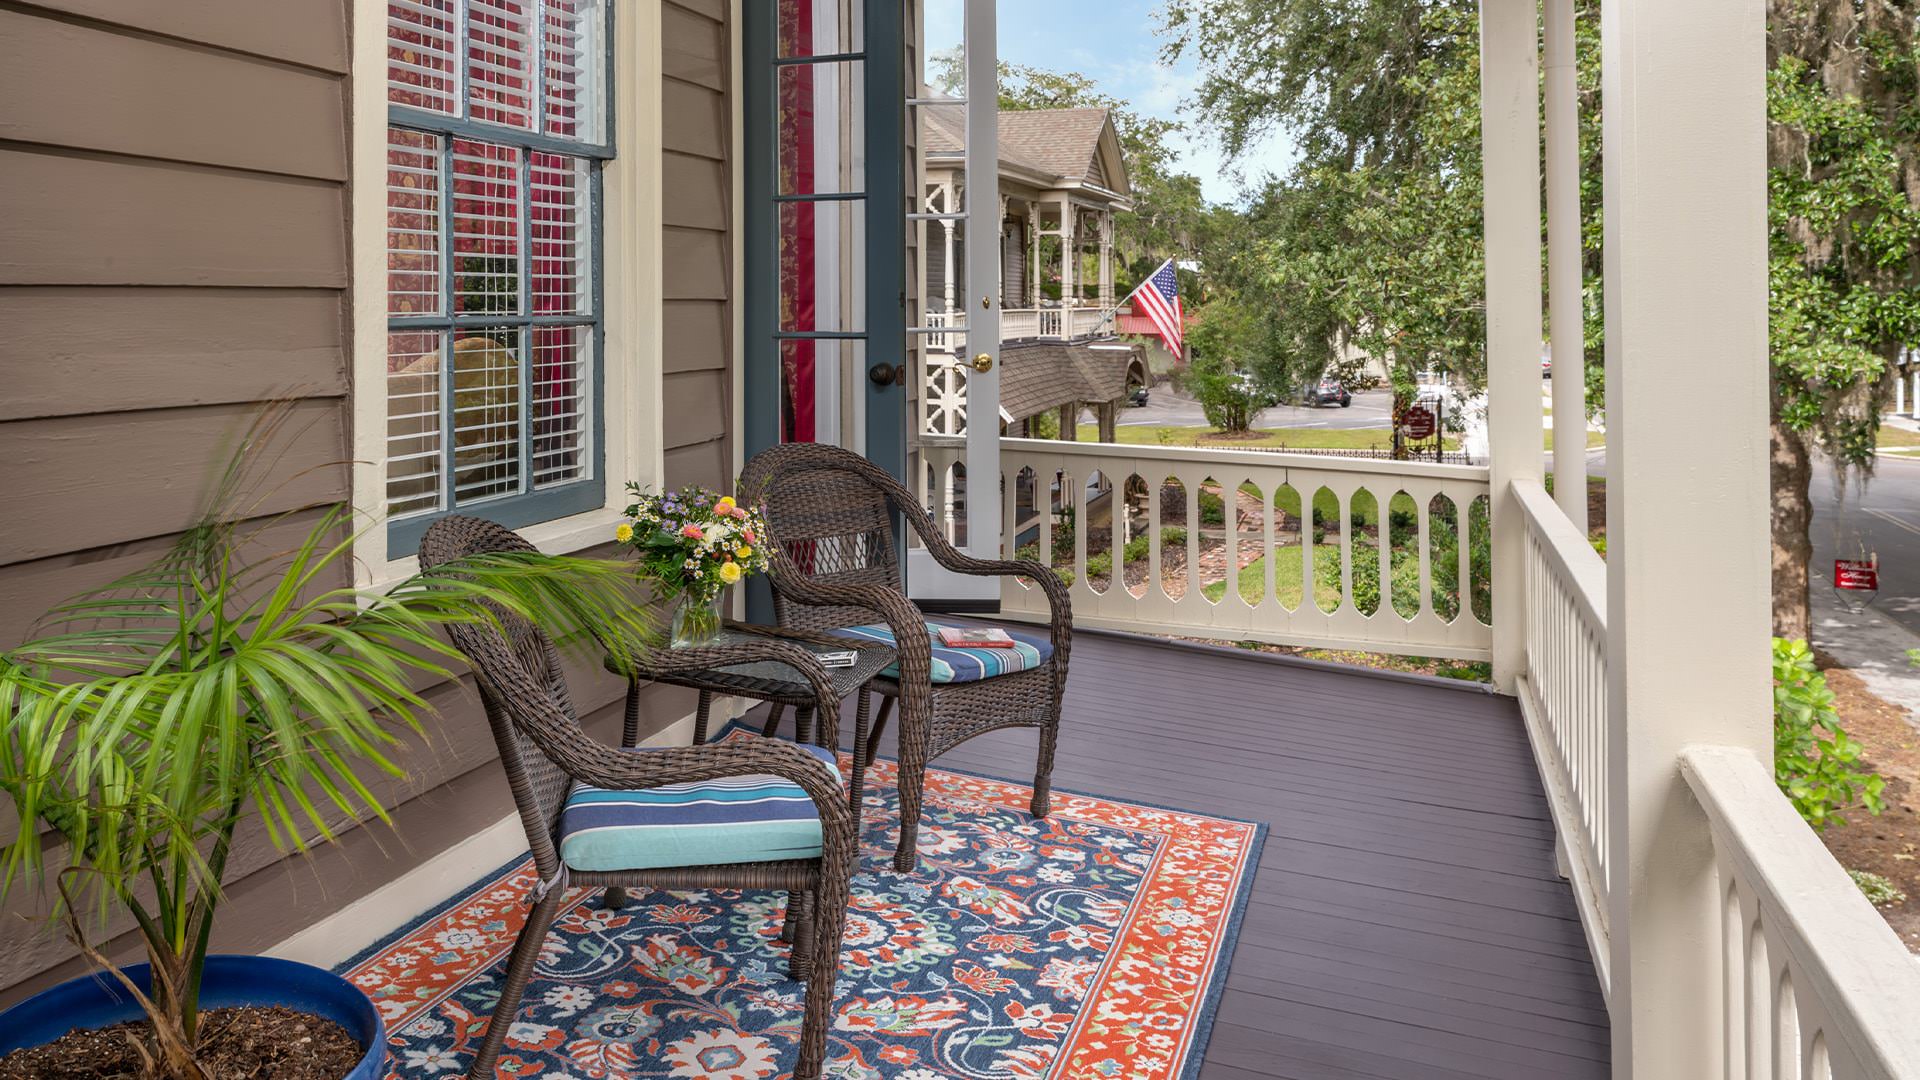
<point>1857,575</point>
<point>1418,422</point>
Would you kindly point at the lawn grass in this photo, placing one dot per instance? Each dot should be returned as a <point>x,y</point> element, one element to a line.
<point>1290,438</point>
<point>1286,579</point>
<point>1594,438</point>
<point>1893,438</point>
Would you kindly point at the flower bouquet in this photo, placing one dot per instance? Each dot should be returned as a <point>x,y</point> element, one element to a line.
<point>693,543</point>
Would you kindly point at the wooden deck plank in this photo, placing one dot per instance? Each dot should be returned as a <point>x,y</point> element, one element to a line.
<point>1406,920</point>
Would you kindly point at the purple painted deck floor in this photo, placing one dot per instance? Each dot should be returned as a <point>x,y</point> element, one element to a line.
<point>1406,920</point>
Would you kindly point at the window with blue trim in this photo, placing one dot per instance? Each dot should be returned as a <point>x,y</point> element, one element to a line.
<point>497,133</point>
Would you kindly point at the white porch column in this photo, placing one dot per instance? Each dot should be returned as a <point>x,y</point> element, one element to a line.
<point>1688,561</point>
<point>1106,259</point>
<point>1033,253</point>
<point>946,286</point>
<point>1069,232</point>
<point>1510,151</point>
<point>1564,277</point>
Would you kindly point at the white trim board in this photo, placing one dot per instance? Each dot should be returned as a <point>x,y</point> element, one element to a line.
<point>391,906</point>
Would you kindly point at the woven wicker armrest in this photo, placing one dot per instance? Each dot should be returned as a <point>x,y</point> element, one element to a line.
<point>912,651</point>
<point>1058,597</point>
<point>659,663</point>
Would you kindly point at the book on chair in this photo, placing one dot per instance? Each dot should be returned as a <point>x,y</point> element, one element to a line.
<point>975,637</point>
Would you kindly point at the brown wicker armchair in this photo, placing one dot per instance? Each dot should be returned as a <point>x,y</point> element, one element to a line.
<point>549,759</point>
<point>834,567</point>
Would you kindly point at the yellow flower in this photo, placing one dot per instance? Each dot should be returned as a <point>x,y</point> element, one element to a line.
<point>725,503</point>
<point>730,572</point>
<point>745,552</point>
<point>624,533</point>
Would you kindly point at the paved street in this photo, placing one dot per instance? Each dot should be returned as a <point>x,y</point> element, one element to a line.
<point>1884,519</point>
<point>1167,408</point>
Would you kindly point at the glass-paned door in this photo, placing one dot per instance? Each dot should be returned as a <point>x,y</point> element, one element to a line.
<point>824,224</point>
<point>838,105</point>
<point>957,223</point>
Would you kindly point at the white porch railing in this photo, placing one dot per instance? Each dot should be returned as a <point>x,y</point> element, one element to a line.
<point>1563,696</point>
<point>1065,323</point>
<point>1215,543</point>
<point>1815,984</point>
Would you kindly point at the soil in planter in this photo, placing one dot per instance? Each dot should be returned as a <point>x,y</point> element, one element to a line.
<point>235,1044</point>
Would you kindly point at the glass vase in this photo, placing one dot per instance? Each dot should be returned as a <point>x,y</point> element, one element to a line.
<point>696,621</point>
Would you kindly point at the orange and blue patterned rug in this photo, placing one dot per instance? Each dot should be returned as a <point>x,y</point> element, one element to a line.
<point>1093,944</point>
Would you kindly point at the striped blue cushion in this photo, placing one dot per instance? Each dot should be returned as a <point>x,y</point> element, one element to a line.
<point>737,819</point>
<point>1029,650</point>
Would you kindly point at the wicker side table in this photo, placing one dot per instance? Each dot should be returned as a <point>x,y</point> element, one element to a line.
<point>778,666</point>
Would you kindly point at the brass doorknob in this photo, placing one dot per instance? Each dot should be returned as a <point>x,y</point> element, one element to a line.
<point>983,362</point>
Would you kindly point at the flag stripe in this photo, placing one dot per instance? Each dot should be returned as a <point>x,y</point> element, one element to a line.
<point>1158,298</point>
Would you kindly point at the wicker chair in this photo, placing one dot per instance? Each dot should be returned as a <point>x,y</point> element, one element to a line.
<point>835,566</point>
<point>547,755</point>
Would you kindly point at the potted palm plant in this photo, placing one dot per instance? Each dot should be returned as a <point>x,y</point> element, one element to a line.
<point>147,721</point>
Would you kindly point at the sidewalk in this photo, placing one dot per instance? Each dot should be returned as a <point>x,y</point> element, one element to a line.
<point>1871,646</point>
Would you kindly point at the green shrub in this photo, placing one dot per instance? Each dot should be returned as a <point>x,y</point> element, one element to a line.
<point>1100,566</point>
<point>1137,549</point>
<point>1814,762</point>
<point>1213,508</point>
<point>1879,889</point>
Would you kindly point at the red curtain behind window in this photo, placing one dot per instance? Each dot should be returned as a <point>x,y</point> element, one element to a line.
<point>797,267</point>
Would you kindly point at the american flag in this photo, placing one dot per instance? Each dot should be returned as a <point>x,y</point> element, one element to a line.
<point>1158,298</point>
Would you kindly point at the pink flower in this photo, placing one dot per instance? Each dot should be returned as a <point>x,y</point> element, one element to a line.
<point>693,532</point>
<point>747,535</point>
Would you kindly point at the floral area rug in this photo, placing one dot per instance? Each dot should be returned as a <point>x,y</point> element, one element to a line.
<point>1093,944</point>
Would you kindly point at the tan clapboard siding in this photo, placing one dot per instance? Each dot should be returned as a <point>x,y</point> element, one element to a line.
<point>81,482</point>
<point>699,261</point>
<point>712,9</point>
<point>173,252</point>
<point>83,219</point>
<point>698,242</point>
<point>692,327</point>
<point>695,46</point>
<point>308,32</point>
<point>700,407</point>
<point>71,350</point>
<point>695,192</point>
<point>695,119</point>
<point>708,464</point>
<point>136,94</point>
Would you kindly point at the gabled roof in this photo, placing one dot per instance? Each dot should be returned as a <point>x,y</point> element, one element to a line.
<point>1036,376</point>
<point>1062,147</point>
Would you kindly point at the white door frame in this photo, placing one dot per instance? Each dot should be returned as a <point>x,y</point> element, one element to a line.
<point>927,581</point>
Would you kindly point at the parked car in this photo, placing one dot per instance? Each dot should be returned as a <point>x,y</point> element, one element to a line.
<point>1137,397</point>
<point>1330,392</point>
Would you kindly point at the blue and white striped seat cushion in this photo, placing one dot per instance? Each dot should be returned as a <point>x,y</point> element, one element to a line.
<point>1030,650</point>
<point>736,819</point>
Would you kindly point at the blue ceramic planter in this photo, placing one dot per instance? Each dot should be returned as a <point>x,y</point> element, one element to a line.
<point>99,1000</point>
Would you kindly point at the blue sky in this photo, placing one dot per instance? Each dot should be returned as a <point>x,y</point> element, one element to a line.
<point>1113,42</point>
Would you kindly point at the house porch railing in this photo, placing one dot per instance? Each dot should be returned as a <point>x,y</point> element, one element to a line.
<point>1064,323</point>
<point>1813,983</point>
<point>1126,525</point>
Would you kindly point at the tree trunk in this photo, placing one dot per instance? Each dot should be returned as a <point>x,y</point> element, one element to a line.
<point>1792,474</point>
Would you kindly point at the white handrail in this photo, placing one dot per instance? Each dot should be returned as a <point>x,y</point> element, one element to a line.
<point>1563,698</point>
<point>1818,985</point>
